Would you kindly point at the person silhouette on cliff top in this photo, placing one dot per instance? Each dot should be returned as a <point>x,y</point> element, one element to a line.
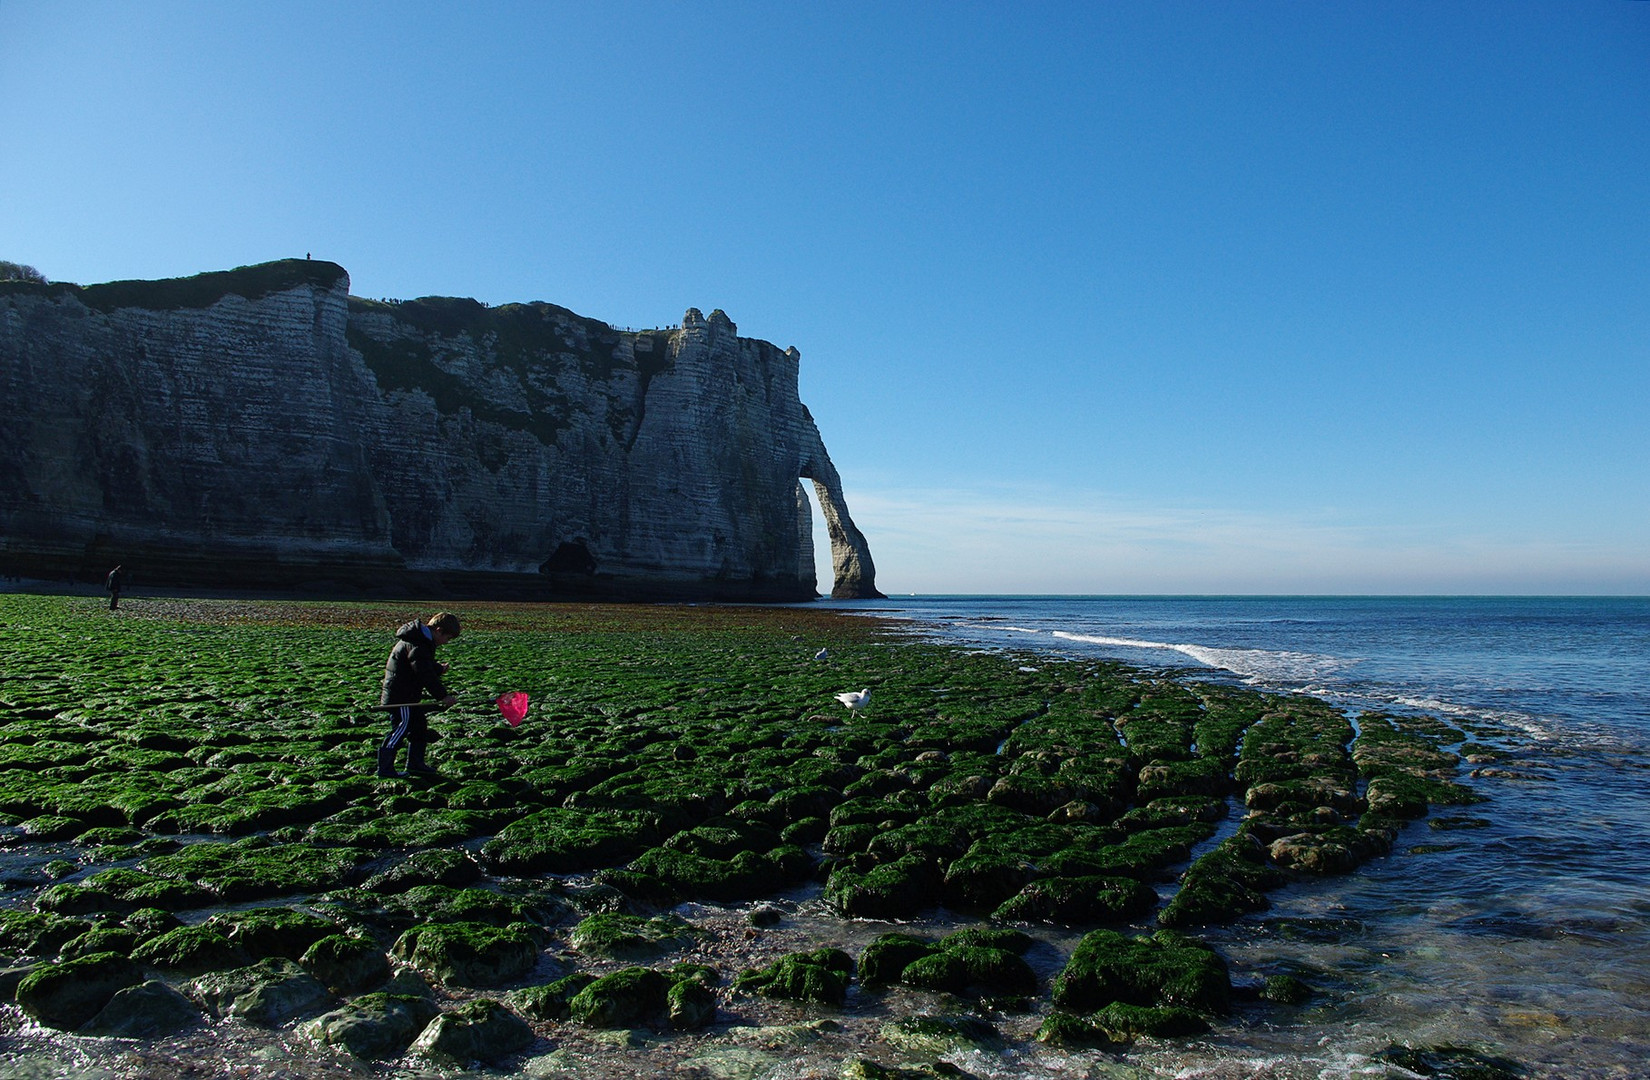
<point>411,673</point>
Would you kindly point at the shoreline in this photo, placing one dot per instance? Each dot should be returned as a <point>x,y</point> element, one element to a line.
<point>739,688</point>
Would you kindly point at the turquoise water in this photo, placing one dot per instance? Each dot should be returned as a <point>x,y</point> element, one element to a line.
<point>1526,934</point>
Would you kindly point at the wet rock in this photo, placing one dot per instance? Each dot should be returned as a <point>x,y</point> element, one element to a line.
<point>1451,1063</point>
<point>438,866</point>
<point>764,916</point>
<point>10,977</point>
<point>37,933</point>
<point>147,1011</point>
<point>271,932</point>
<point>374,1026</point>
<point>820,975</point>
<point>481,1030</point>
<point>624,999</point>
<point>866,1069</point>
<point>1285,990</point>
<point>1075,901</point>
<point>268,993</point>
<point>938,1035</point>
<point>470,954</point>
<point>893,890</point>
<point>617,936</point>
<point>550,1001</point>
<point>691,1005</point>
<point>1164,969</point>
<point>347,965</point>
<point>191,950</point>
<point>1068,1031</point>
<point>1313,854</point>
<point>68,994</point>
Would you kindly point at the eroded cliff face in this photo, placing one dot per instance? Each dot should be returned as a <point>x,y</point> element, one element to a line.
<point>261,427</point>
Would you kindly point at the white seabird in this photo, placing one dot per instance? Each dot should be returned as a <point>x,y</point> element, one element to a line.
<point>855,701</point>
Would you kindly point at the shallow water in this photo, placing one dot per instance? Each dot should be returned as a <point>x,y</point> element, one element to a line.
<point>1528,936</point>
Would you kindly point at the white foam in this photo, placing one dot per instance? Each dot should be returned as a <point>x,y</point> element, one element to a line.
<point>1255,665</point>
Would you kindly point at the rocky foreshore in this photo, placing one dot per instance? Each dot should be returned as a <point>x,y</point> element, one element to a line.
<point>688,858</point>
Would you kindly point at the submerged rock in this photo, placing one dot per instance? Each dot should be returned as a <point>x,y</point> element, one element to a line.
<point>267,993</point>
<point>68,994</point>
<point>820,975</point>
<point>374,1026</point>
<point>147,1011</point>
<point>937,1035</point>
<point>346,964</point>
<point>470,954</point>
<point>1164,969</point>
<point>481,1030</point>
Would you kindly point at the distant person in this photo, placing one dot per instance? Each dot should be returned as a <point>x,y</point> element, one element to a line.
<point>411,673</point>
<point>113,583</point>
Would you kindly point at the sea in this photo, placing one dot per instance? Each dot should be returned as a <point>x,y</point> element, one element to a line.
<point>1518,929</point>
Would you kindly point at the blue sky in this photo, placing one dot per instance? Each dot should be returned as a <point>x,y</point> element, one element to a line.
<point>1091,298</point>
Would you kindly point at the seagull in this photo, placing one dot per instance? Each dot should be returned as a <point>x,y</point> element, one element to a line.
<point>822,654</point>
<point>855,702</point>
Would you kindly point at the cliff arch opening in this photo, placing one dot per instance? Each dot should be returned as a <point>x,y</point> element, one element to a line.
<point>849,568</point>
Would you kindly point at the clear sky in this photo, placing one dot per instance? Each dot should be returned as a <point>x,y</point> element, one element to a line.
<point>1091,297</point>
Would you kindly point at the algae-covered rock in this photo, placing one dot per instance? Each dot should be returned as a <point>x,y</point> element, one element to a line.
<point>1452,1063</point>
<point>562,840</point>
<point>740,876</point>
<point>69,994</point>
<point>624,999</point>
<point>98,939</point>
<point>630,937</point>
<point>190,950</point>
<point>1164,969</point>
<point>550,1001</point>
<point>888,955</point>
<point>267,993</point>
<point>1285,990</point>
<point>72,898</point>
<point>481,1030</point>
<point>691,1005</point>
<point>437,866</point>
<point>937,1035</point>
<point>820,975</point>
<point>1076,901</point>
<point>131,886</point>
<point>374,1026</point>
<point>147,1011</point>
<point>37,933</point>
<point>470,954</point>
<point>346,964</point>
<point>1123,1022</point>
<point>893,890</point>
<point>984,878</point>
<point>267,931</point>
<point>1228,881</point>
<point>1069,1031</point>
<point>957,969</point>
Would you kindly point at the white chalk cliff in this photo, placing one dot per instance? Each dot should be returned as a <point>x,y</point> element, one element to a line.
<point>261,427</point>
